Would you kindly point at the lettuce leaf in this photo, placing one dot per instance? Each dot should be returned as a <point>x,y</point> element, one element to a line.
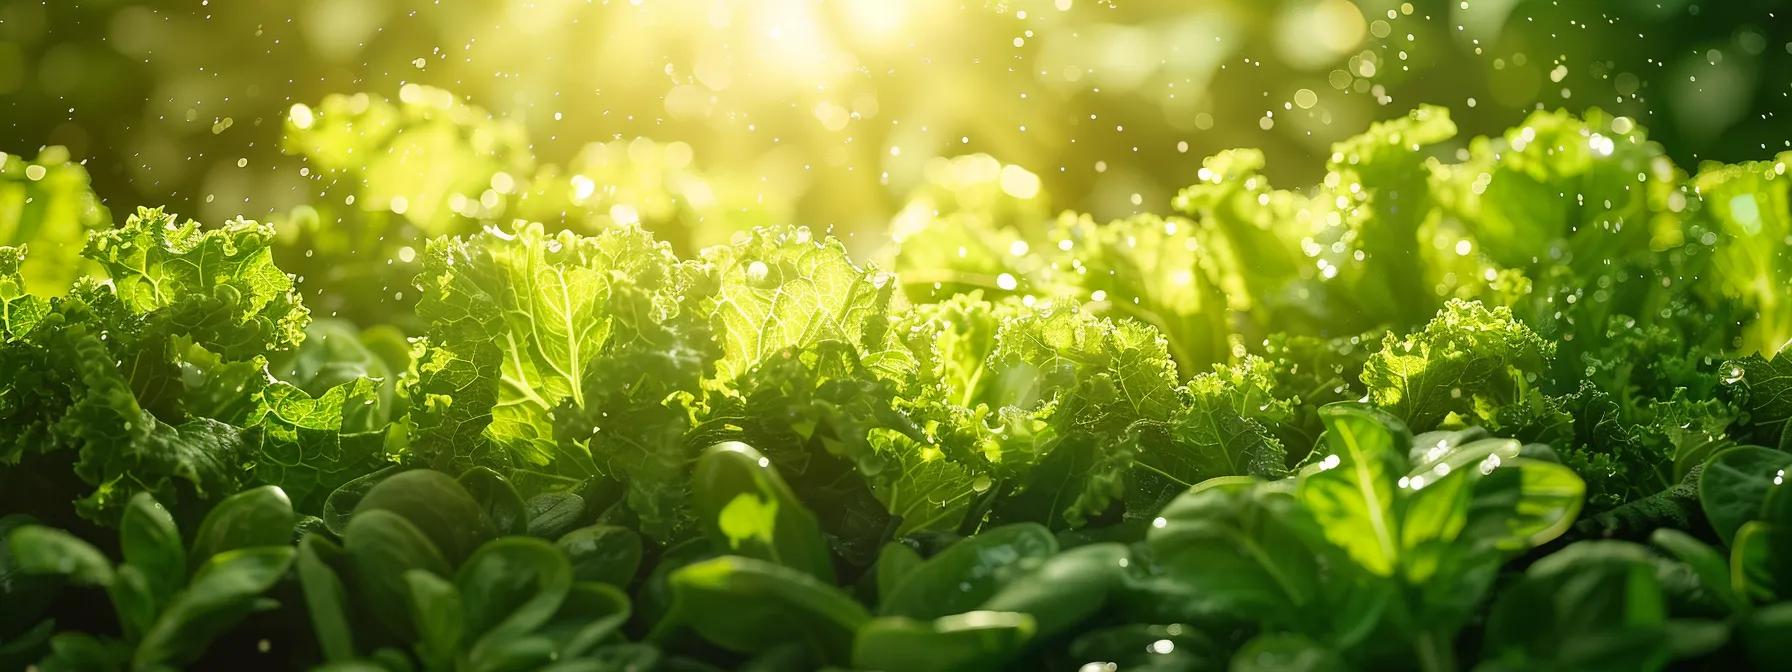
<point>642,399</point>
<point>157,380</point>
<point>1214,434</point>
<point>1467,360</point>
<point>220,285</point>
<point>782,287</point>
<point>515,318</point>
<point>1341,258</point>
<point>1153,270</point>
<point>1762,387</point>
<point>309,446</point>
<point>19,310</point>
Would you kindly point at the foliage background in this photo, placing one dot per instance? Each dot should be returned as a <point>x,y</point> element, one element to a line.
<point>827,111</point>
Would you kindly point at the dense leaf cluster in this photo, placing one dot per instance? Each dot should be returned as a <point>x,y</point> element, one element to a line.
<point>1521,409</point>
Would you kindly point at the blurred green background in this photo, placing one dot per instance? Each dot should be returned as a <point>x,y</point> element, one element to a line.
<point>826,112</point>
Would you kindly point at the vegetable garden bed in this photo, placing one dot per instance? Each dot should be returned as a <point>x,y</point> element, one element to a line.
<point>1519,407</point>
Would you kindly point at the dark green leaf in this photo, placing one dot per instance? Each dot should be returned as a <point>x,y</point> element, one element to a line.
<point>975,640</point>
<point>222,592</point>
<point>1596,605</point>
<point>134,601</point>
<point>436,609</point>
<point>746,604</point>
<point>510,587</point>
<point>81,652</point>
<point>968,573</point>
<point>1735,483</point>
<point>1066,589</point>
<point>603,553</point>
<point>28,646</point>
<point>1761,561</point>
<point>895,562</point>
<point>46,550</point>
<point>1242,550</point>
<point>747,510</point>
<point>381,546</point>
<point>591,614</point>
<point>259,517</point>
<point>654,599</point>
<point>520,653</point>
<point>1286,653</point>
<point>555,513</point>
<point>502,506</point>
<point>437,505</point>
<point>153,546</point>
<point>1151,648</point>
<point>341,502</point>
<point>319,566</point>
<point>1764,634</point>
<point>1711,567</point>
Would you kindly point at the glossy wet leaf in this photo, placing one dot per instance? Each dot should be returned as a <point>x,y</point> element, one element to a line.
<point>1735,483</point>
<point>319,563</point>
<point>152,544</point>
<point>46,550</point>
<point>436,609</point>
<point>1150,647</point>
<point>975,640</point>
<point>1521,503</point>
<point>511,586</point>
<point>381,546</point>
<point>222,592</point>
<point>964,575</point>
<point>502,506</point>
<point>747,604</point>
<point>1066,588</point>
<point>436,505</point>
<point>259,517</point>
<point>604,553</point>
<point>748,510</point>
<point>1353,498</point>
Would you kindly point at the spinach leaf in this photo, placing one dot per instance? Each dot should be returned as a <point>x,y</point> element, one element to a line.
<point>968,573</point>
<point>747,510</point>
<point>746,604</point>
<point>975,640</point>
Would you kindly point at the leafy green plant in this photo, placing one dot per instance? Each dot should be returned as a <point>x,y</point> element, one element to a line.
<point>424,558</point>
<point>171,599</point>
<point>1387,533</point>
<point>1337,427</point>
